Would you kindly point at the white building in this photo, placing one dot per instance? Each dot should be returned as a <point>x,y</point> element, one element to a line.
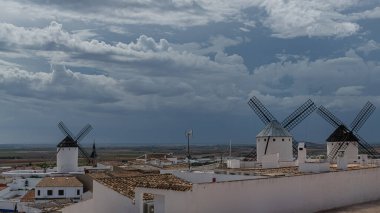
<point>158,159</point>
<point>67,156</point>
<point>59,188</point>
<point>117,194</point>
<point>299,193</point>
<point>274,139</point>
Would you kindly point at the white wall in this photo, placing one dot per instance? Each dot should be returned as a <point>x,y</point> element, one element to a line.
<point>21,207</point>
<point>307,193</point>
<point>351,152</point>
<point>278,146</point>
<point>67,159</point>
<point>69,192</point>
<point>107,199</point>
<point>84,206</point>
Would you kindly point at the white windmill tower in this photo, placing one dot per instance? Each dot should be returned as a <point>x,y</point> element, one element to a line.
<point>275,137</point>
<point>68,149</point>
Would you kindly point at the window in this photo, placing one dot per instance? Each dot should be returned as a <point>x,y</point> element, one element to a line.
<point>265,139</point>
<point>38,192</point>
<point>283,139</point>
<point>61,192</point>
<point>274,139</point>
<point>49,192</point>
<point>78,192</point>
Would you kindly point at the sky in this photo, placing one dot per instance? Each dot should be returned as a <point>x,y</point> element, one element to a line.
<point>145,71</point>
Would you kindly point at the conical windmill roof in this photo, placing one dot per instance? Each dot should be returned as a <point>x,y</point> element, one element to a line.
<point>67,142</point>
<point>342,134</point>
<point>274,129</point>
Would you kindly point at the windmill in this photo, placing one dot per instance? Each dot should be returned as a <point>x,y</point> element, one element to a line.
<point>345,139</point>
<point>275,137</point>
<point>67,149</point>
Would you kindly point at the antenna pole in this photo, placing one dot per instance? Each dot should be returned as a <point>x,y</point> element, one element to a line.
<point>230,148</point>
<point>188,151</point>
<point>189,133</point>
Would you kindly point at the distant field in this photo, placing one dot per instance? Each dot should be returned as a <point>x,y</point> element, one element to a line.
<point>26,155</point>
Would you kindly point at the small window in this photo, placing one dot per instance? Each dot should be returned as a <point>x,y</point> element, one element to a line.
<point>300,149</point>
<point>283,139</point>
<point>61,192</point>
<point>289,139</point>
<point>38,192</point>
<point>49,192</point>
<point>78,192</point>
<point>274,139</point>
<point>265,139</point>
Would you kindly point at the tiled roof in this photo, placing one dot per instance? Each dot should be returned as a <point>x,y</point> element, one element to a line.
<point>59,182</point>
<point>274,129</point>
<point>29,196</point>
<point>127,185</point>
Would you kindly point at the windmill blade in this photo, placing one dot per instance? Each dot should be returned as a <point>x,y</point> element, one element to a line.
<point>366,147</point>
<point>295,148</point>
<point>260,110</point>
<point>65,130</point>
<point>362,116</point>
<point>329,117</point>
<point>84,153</point>
<point>298,115</point>
<point>251,155</point>
<point>85,130</point>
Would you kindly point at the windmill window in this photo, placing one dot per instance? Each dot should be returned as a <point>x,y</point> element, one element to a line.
<point>283,139</point>
<point>274,139</point>
<point>265,139</point>
<point>49,192</point>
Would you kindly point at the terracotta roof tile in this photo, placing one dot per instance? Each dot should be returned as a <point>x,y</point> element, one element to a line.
<point>59,181</point>
<point>127,185</point>
<point>29,196</point>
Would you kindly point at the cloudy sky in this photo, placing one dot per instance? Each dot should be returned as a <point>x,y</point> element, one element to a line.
<point>144,71</point>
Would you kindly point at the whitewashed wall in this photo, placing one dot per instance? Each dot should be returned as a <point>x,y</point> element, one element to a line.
<point>285,147</point>
<point>67,159</point>
<point>307,193</point>
<point>84,206</point>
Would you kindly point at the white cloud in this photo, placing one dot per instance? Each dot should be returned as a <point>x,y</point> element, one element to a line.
<point>58,85</point>
<point>349,91</point>
<point>150,73</point>
<point>332,82</point>
<point>179,13</point>
<point>295,18</point>
<point>369,46</point>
